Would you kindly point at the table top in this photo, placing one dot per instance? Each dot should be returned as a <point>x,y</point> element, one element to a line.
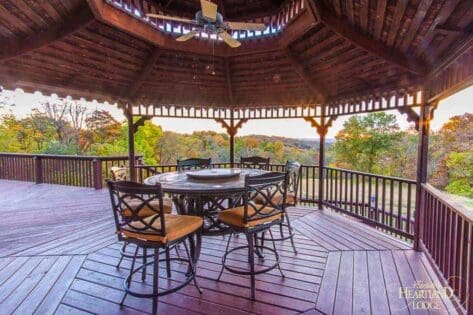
<point>179,182</point>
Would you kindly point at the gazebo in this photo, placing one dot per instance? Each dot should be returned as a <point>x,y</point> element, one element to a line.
<point>316,60</point>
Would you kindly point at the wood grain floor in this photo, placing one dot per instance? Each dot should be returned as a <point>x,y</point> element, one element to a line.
<point>60,258</point>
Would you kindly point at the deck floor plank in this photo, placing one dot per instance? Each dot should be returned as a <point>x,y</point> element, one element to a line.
<point>61,259</point>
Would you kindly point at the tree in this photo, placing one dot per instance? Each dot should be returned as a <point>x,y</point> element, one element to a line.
<point>363,140</point>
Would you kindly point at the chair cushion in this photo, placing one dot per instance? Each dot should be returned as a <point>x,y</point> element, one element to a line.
<point>290,198</point>
<point>234,217</point>
<point>177,226</point>
<point>146,211</point>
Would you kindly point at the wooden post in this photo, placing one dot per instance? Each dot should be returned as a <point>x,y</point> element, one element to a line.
<point>38,169</point>
<point>97,166</point>
<point>232,130</point>
<point>322,129</point>
<point>425,116</point>
<point>322,133</point>
<point>232,142</point>
<point>131,145</point>
<point>469,307</point>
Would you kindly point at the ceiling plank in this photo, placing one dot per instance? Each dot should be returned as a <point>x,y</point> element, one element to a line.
<point>396,22</point>
<point>12,20</point>
<point>364,15</point>
<point>364,42</point>
<point>317,87</point>
<point>144,73</point>
<point>421,12</point>
<point>228,77</point>
<point>380,12</point>
<point>75,22</point>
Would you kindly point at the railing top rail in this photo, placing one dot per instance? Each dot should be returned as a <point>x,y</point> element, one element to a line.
<point>72,157</point>
<point>449,202</point>
<point>405,180</point>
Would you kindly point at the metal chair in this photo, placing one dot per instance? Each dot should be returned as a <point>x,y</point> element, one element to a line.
<point>193,163</point>
<point>121,174</point>
<point>118,173</point>
<point>159,231</point>
<point>293,171</point>
<point>255,162</point>
<point>251,219</point>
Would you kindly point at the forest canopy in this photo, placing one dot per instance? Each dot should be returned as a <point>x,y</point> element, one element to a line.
<point>371,143</point>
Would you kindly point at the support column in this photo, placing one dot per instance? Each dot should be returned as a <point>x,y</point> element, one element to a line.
<point>322,127</point>
<point>232,130</point>
<point>425,116</point>
<point>322,135</point>
<point>131,144</point>
<point>232,142</point>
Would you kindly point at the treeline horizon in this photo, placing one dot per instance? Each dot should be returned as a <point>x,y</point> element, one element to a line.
<point>372,143</point>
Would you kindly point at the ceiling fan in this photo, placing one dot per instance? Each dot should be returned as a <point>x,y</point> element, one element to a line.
<point>208,20</point>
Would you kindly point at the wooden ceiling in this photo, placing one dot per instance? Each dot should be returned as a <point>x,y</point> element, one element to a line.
<point>330,50</point>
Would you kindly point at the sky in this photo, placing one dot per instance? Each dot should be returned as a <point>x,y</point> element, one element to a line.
<point>456,104</point>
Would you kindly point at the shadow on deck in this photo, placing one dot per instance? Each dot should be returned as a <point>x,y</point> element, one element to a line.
<point>58,255</point>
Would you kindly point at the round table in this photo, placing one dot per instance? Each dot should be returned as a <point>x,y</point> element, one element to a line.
<point>203,197</point>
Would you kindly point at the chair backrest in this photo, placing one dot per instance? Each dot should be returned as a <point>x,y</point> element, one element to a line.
<point>264,187</point>
<point>193,163</point>
<point>256,162</point>
<point>118,173</point>
<point>293,170</point>
<point>129,199</point>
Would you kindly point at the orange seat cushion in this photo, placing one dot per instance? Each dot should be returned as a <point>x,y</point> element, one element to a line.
<point>177,226</point>
<point>234,217</point>
<point>290,198</point>
<point>146,211</point>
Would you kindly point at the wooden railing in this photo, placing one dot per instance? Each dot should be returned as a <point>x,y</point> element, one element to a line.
<point>275,23</point>
<point>72,170</point>
<point>447,239</point>
<point>385,202</point>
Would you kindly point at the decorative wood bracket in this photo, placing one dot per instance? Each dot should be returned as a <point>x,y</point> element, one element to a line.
<point>140,122</point>
<point>231,128</point>
<point>412,116</point>
<point>322,127</point>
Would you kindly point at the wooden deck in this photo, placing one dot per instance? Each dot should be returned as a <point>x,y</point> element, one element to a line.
<point>58,254</point>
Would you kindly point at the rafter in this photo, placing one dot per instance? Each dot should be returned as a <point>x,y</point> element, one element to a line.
<point>364,42</point>
<point>72,24</point>
<point>144,73</point>
<point>317,87</point>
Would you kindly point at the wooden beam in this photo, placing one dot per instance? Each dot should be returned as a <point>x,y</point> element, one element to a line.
<point>317,87</point>
<point>135,27</point>
<point>144,73</point>
<point>364,42</point>
<point>72,24</point>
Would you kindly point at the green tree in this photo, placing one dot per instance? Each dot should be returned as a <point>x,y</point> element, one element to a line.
<point>363,140</point>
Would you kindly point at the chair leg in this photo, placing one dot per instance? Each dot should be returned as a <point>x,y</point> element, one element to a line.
<point>224,257</point>
<point>168,262</point>
<point>193,268</point>
<point>128,283</point>
<point>176,248</point>
<point>155,281</point>
<point>251,260</point>
<point>143,272</point>
<point>290,233</point>
<point>121,256</point>
<point>275,250</point>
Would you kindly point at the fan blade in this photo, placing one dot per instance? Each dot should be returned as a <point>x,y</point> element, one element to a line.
<point>227,38</point>
<point>171,18</point>
<point>209,10</point>
<point>246,26</point>
<point>187,36</point>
